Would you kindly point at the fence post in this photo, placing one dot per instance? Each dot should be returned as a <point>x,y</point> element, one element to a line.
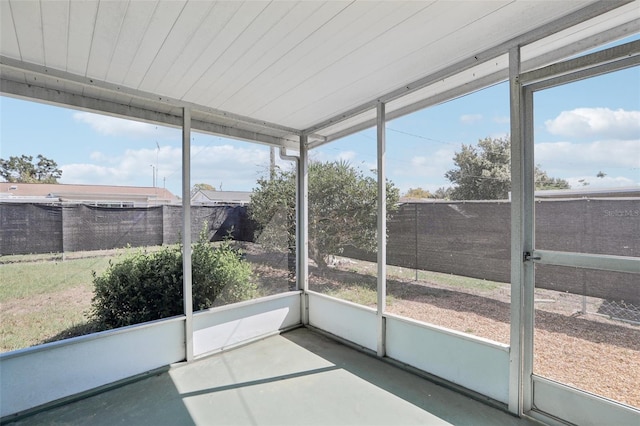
<point>584,292</point>
<point>416,235</point>
<point>62,233</point>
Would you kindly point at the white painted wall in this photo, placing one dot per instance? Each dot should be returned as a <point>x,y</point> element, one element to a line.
<point>471,362</point>
<point>39,375</point>
<point>355,323</point>
<point>218,328</point>
<point>474,363</point>
<point>45,373</point>
<point>578,407</point>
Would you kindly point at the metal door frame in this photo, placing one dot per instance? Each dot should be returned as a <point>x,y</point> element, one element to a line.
<point>556,403</point>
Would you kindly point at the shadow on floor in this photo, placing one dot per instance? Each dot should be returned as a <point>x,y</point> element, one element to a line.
<point>299,377</point>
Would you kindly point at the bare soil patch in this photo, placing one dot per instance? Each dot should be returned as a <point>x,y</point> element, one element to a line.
<point>79,297</point>
<point>44,318</point>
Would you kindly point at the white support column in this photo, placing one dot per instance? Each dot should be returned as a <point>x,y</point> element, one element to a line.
<point>382,230</point>
<point>302,227</point>
<point>517,235</point>
<point>528,290</point>
<point>522,240</point>
<point>186,232</point>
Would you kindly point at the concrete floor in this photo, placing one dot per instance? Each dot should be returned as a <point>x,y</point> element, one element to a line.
<point>297,378</point>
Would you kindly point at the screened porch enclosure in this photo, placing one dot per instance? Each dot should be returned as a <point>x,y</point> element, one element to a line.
<point>242,70</point>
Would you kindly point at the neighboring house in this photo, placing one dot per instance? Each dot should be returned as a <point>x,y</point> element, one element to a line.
<point>586,192</point>
<point>205,197</point>
<point>96,195</point>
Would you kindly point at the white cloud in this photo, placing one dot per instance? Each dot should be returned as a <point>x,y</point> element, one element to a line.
<point>235,168</point>
<point>418,161</point>
<point>619,160</point>
<point>603,123</point>
<point>112,126</point>
<point>230,167</point>
<point>470,118</point>
<point>221,154</point>
<point>597,155</point>
<point>98,156</point>
<point>94,175</point>
<point>431,166</point>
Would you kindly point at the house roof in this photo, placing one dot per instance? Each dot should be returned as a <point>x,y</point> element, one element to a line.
<point>66,192</point>
<point>272,71</point>
<point>586,192</point>
<point>231,197</point>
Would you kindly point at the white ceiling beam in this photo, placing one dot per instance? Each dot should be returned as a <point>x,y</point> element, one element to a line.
<point>56,79</point>
<point>425,103</point>
<point>59,97</point>
<point>627,50</point>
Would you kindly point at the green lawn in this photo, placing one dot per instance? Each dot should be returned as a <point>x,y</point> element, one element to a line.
<point>40,300</point>
<point>43,298</point>
<point>363,267</point>
<point>27,279</point>
<point>361,293</point>
<point>454,281</point>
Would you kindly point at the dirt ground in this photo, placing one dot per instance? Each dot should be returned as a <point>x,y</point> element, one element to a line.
<point>588,351</point>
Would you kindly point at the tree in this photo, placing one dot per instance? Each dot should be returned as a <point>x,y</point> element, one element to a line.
<point>543,181</point>
<point>202,187</point>
<point>418,193</point>
<point>342,209</point>
<point>442,193</point>
<point>483,172</point>
<point>23,170</point>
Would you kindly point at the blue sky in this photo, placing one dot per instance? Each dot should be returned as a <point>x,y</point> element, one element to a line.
<point>580,130</point>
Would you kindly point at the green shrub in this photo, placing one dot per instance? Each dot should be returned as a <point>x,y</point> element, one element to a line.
<point>148,286</point>
<point>220,274</point>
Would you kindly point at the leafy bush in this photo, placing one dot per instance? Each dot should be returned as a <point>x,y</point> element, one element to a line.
<point>148,286</point>
<point>220,275</point>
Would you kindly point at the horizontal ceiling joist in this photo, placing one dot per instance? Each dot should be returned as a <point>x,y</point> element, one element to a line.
<point>591,11</point>
<point>86,103</point>
<point>51,85</point>
<point>425,103</point>
<point>629,51</point>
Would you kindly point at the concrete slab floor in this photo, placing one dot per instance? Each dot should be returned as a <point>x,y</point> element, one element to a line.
<point>297,378</point>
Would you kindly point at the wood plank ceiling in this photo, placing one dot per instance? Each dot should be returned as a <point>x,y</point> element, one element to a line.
<point>269,71</point>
